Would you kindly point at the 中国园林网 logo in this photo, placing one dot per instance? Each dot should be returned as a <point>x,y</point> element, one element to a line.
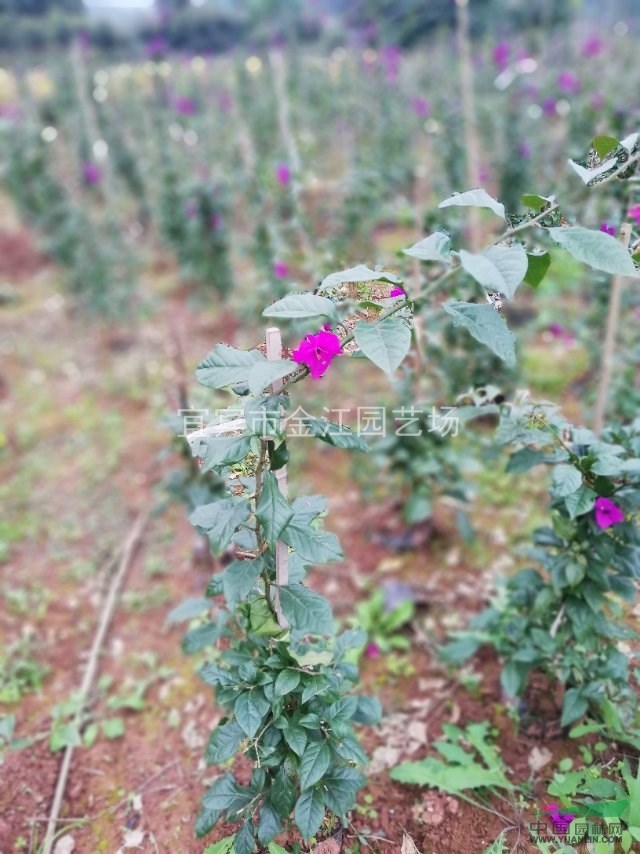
<point>579,823</point>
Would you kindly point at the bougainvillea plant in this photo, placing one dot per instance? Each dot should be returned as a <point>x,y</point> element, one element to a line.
<point>281,673</point>
<point>563,617</point>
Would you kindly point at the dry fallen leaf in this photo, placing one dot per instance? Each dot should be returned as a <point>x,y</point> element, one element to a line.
<point>132,839</point>
<point>65,845</point>
<point>408,845</point>
<point>538,758</point>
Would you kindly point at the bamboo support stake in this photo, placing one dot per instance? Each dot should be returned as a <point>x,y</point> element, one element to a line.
<point>471,141</point>
<point>611,331</point>
<point>130,546</point>
<point>274,352</point>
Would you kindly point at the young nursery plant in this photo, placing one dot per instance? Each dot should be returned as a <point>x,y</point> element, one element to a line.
<point>281,673</point>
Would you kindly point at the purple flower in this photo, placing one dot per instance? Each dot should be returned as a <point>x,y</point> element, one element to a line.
<point>501,54</point>
<point>597,101</point>
<point>607,513</point>
<point>549,106</point>
<point>283,174</point>
<point>185,106</point>
<point>372,650</point>
<point>317,351</point>
<point>524,149</point>
<point>634,213</point>
<point>593,46</point>
<point>156,47</point>
<point>280,269</point>
<point>561,333</point>
<point>215,222</point>
<point>568,83</point>
<point>397,292</point>
<point>421,107</point>
<point>608,229</point>
<point>91,173</point>
<point>560,821</point>
<point>396,593</point>
<point>83,40</point>
<point>390,59</point>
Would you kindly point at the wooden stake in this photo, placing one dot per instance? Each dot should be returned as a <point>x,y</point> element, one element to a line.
<point>130,546</point>
<point>611,331</point>
<point>274,352</point>
<point>471,142</point>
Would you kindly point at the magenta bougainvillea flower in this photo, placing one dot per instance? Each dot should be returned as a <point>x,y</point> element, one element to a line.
<point>283,174</point>
<point>568,83</point>
<point>634,213</point>
<point>185,106</point>
<point>593,46</point>
<point>397,292</point>
<point>549,106</point>
<point>607,513</point>
<point>608,229</point>
<point>501,53</point>
<point>372,650</point>
<point>91,173</point>
<point>280,269</point>
<point>421,107</point>
<point>317,351</point>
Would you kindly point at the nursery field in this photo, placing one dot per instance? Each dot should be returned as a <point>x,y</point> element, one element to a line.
<point>320,447</point>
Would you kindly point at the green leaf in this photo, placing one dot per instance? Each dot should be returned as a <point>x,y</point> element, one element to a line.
<point>296,737</point>
<point>221,795</point>
<point>245,840</point>
<point>436,247</point>
<point>216,452</point>
<point>224,846</point>
<point>262,620</point>
<point>312,546</point>
<point>574,706</point>
<point>523,460</point>
<point>565,480</point>
<point>269,824</point>
<point>499,268</point>
<point>485,325</point>
<point>513,677</point>
<point>263,374</point>
<point>599,250</point>
<point>283,792</point>
<point>309,812</point>
<point>369,711</point>
<point>202,636</point>
<point>341,787</point>
<point>535,202</point>
<point>263,415</point>
<point>476,199</point>
<point>604,145</point>
<point>580,502</point>
<point>287,681</point>
<point>359,273</point>
<point>187,610</point>
<point>239,579</point>
<point>305,610</point>
<point>250,709</point>
<point>337,435</point>
<point>313,764</point>
<point>224,742</point>
<point>273,511</point>
<point>205,822</point>
<point>225,366</point>
<point>451,779</point>
<point>537,265</point>
<point>219,520</point>
<point>274,848</point>
<point>385,343</point>
<point>113,728</point>
<point>302,305</point>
